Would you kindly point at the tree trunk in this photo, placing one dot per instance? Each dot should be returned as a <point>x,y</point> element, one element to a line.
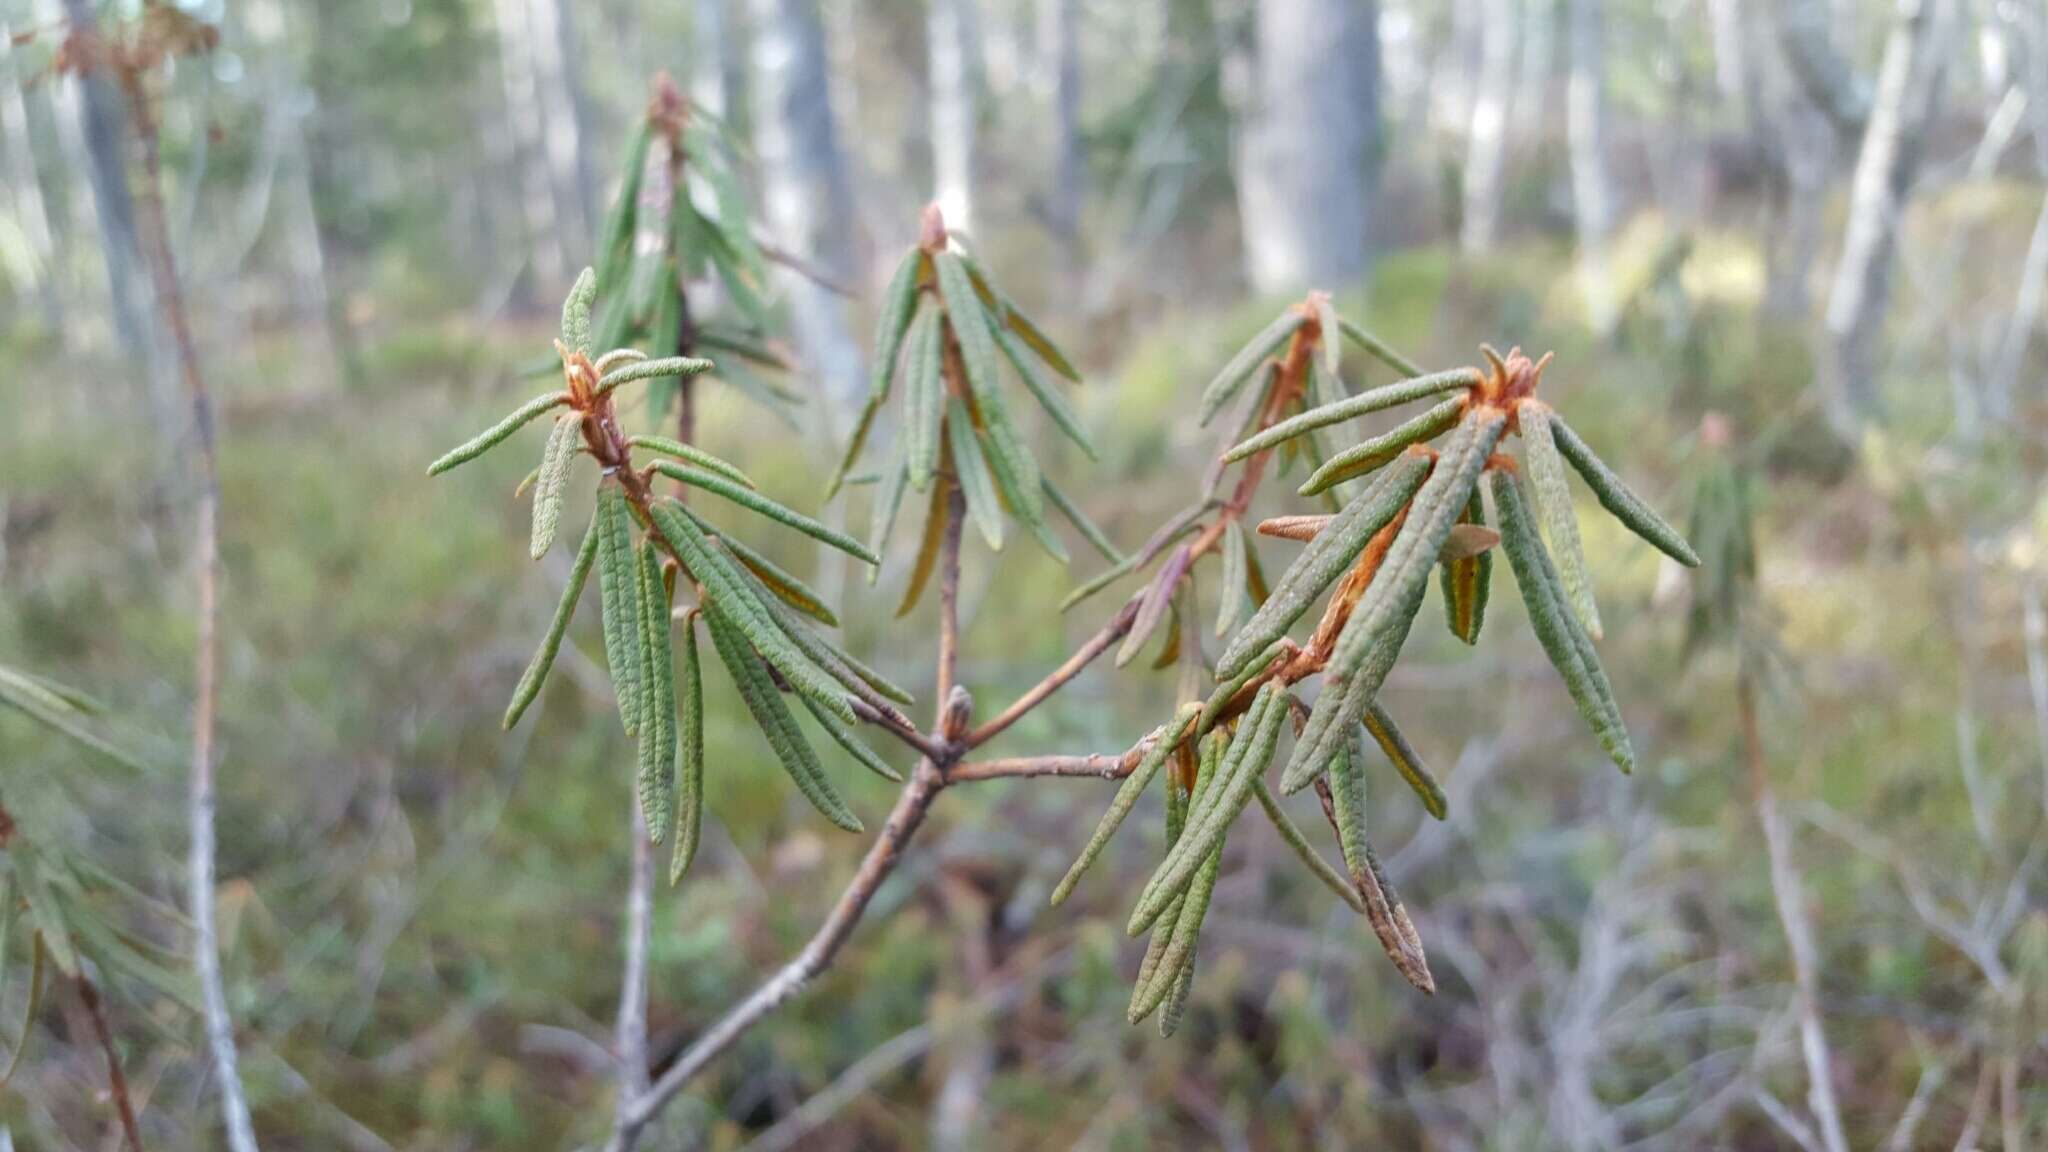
<point>1731,54</point>
<point>1908,93</point>
<point>1806,36</point>
<point>298,221</point>
<point>1306,142</point>
<point>25,185</point>
<point>950,36</point>
<point>552,42</point>
<point>712,83</point>
<point>1538,62</point>
<point>805,189</point>
<point>100,126</point>
<point>1592,193</point>
<point>1060,51</point>
<point>1486,147</point>
<point>524,124</point>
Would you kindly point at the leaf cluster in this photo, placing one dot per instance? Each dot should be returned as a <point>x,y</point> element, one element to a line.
<point>1405,502</point>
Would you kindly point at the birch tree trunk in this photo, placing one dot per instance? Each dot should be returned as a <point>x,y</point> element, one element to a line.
<point>711,74</point>
<point>1908,93</point>
<point>524,123</point>
<point>808,197</point>
<point>1806,36</point>
<point>297,218</point>
<point>25,187</point>
<point>950,36</point>
<point>1486,147</point>
<point>1059,49</point>
<point>1306,137</point>
<point>1592,193</point>
<point>552,44</point>
<point>101,131</point>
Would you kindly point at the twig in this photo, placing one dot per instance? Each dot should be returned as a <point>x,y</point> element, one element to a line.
<point>630,1033</point>
<point>1079,661</point>
<point>912,804</point>
<point>1101,765</point>
<point>1789,894</point>
<point>170,298</point>
<point>117,1081</point>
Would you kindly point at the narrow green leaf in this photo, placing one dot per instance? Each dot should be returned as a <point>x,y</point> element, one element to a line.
<point>1009,316</point>
<point>691,454</point>
<point>615,249</point>
<point>1566,643</point>
<point>1251,751</point>
<point>1244,365</point>
<point>888,500</point>
<point>863,682</point>
<point>689,783</point>
<point>1329,341</point>
<point>1082,524</point>
<point>971,470</point>
<point>1350,408</point>
<point>1164,739</point>
<point>1177,804</point>
<point>845,738</point>
<point>1008,455</point>
<point>855,444</point>
<point>1619,499</point>
<point>1176,964</point>
<point>658,718</point>
<point>1406,761</point>
<point>1183,523</point>
<point>576,312</point>
<point>554,473</point>
<point>924,398</point>
<point>899,302</point>
<point>1234,597</point>
<point>618,585</point>
<point>536,672</point>
<point>727,587</point>
<point>1396,591</point>
<point>1152,610</point>
<point>651,369</point>
<point>755,502</point>
<point>780,581</point>
<point>1049,398</point>
<point>757,690</point>
<point>1224,693</point>
<point>59,709</point>
<point>1348,800</point>
<point>496,433</point>
<point>1326,558</point>
<point>1560,526</point>
<point>45,912</point>
<point>1373,454</point>
<point>1378,348</point>
<point>1292,834</point>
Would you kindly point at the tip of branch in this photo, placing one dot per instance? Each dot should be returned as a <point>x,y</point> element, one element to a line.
<point>931,228</point>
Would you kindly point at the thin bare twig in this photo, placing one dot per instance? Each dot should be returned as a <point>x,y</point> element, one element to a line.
<point>1789,894</point>
<point>1101,765</point>
<point>117,1081</point>
<point>1083,656</point>
<point>156,236</point>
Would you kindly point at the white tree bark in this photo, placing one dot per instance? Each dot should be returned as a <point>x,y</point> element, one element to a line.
<point>1059,50</point>
<point>1908,92</point>
<point>25,189</point>
<point>551,42</point>
<point>305,256</point>
<point>809,200</point>
<point>524,125</point>
<point>950,35</point>
<point>1307,130</point>
<point>1486,146</point>
<point>1807,37</point>
<point>1592,192</point>
<point>711,75</point>
<point>100,133</point>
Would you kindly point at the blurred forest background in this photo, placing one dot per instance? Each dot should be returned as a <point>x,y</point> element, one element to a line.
<point>1792,255</point>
